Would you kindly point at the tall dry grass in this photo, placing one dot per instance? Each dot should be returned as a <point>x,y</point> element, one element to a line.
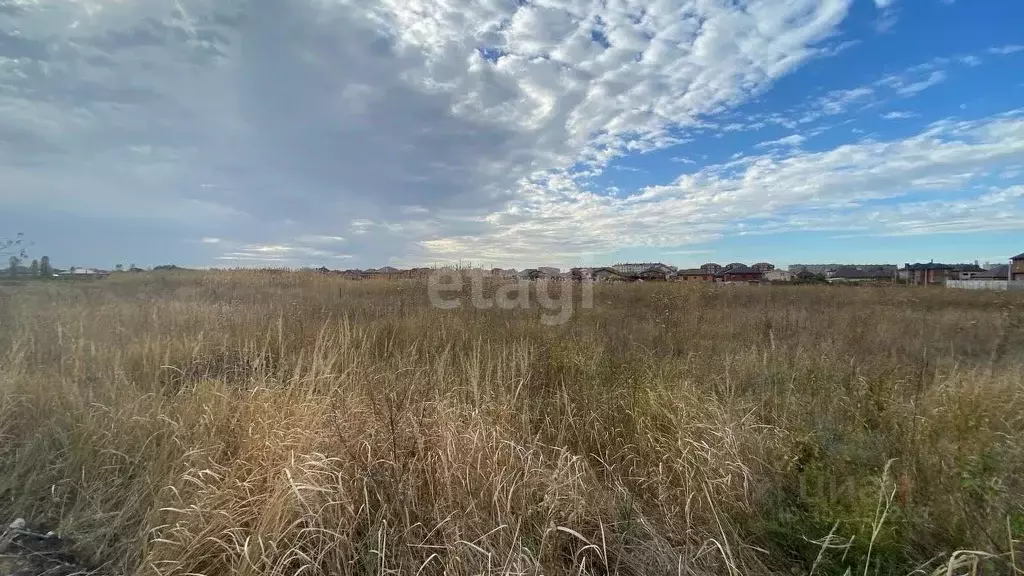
<point>244,423</point>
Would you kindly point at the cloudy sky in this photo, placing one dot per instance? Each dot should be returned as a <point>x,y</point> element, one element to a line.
<point>358,133</point>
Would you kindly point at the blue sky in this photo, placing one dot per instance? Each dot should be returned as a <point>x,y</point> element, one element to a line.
<point>512,133</point>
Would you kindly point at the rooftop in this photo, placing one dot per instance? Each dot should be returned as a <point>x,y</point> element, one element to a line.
<point>1001,272</point>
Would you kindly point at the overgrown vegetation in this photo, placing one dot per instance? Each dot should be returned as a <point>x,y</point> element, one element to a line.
<point>245,423</point>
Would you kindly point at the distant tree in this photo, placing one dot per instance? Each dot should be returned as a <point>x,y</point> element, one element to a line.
<point>119,267</point>
<point>33,268</point>
<point>134,268</point>
<point>45,269</point>
<point>12,269</point>
<point>14,246</point>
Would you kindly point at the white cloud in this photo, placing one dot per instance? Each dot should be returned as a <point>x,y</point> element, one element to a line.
<point>887,18</point>
<point>905,84</point>
<point>906,88</point>
<point>687,252</point>
<point>835,103</point>
<point>209,240</point>
<point>433,128</point>
<point>268,113</point>
<point>834,189</point>
<point>794,140</point>
<point>279,253</point>
<point>321,239</point>
<point>1007,49</point>
<point>886,22</point>
<point>898,115</point>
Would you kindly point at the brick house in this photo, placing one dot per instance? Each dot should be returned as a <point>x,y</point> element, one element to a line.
<point>654,274</point>
<point>695,275</point>
<point>739,273</point>
<point>935,273</point>
<point>1017,267</point>
<point>927,273</point>
<point>967,271</point>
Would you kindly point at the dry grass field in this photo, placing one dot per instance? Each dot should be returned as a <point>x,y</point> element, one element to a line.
<point>244,423</point>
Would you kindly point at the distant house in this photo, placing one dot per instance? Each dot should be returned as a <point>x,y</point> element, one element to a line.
<point>660,268</point>
<point>778,276</point>
<point>1000,272</point>
<point>86,273</point>
<point>636,268</point>
<point>695,275</point>
<point>805,275</point>
<point>410,274</point>
<point>549,272</point>
<point>763,267</point>
<point>598,274</point>
<point>580,273</point>
<point>858,275</point>
<point>504,273</point>
<point>967,271</point>
<point>711,267</point>
<point>812,269</point>
<point>928,273</point>
<point>828,269</point>
<point>937,273</point>
<point>385,273</point>
<point>655,273</point>
<point>739,273</point>
<point>608,275</point>
<point>1017,267</point>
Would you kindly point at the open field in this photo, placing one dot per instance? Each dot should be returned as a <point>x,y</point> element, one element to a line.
<point>246,423</point>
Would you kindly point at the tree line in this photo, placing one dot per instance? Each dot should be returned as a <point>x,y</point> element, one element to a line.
<point>17,249</point>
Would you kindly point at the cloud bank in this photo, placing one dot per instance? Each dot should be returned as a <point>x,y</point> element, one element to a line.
<point>410,131</point>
